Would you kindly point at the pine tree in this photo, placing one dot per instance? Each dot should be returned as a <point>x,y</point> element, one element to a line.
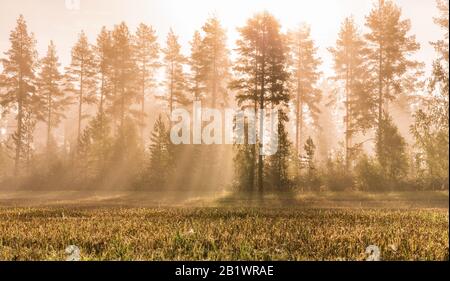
<point>215,62</point>
<point>18,81</point>
<point>305,75</point>
<point>196,63</point>
<point>350,67</point>
<point>310,150</point>
<point>50,91</point>
<point>390,48</point>
<point>103,58</point>
<point>81,76</point>
<point>278,164</point>
<point>160,164</point>
<point>175,77</point>
<point>244,163</point>
<point>125,74</point>
<point>391,151</point>
<point>261,72</point>
<point>147,55</point>
<point>94,150</point>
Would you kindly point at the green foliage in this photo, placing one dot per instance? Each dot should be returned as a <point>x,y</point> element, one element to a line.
<point>336,177</point>
<point>369,175</point>
<point>277,164</point>
<point>391,151</point>
<point>310,149</point>
<point>244,164</point>
<point>431,124</point>
<point>432,139</point>
<point>161,162</point>
<point>94,151</point>
<point>311,180</point>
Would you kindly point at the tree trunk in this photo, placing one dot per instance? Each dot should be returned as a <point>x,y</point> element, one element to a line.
<point>49,118</point>
<point>19,132</point>
<point>80,105</point>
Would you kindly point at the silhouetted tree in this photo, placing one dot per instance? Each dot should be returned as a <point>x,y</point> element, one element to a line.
<point>175,77</point>
<point>215,62</point>
<point>50,88</point>
<point>351,68</point>
<point>305,74</point>
<point>147,55</point>
<point>81,76</point>
<point>261,72</point>
<point>390,48</point>
<point>197,66</point>
<point>125,75</point>
<point>160,164</point>
<point>391,151</point>
<point>19,80</point>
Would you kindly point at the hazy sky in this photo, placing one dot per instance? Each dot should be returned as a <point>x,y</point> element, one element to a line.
<point>52,20</point>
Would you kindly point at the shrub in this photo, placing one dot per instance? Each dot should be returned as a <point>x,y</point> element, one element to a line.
<point>369,175</point>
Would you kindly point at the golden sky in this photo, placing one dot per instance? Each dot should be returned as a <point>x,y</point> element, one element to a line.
<point>54,20</point>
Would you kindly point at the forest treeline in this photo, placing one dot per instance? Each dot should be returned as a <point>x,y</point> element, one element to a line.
<point>109,82</point>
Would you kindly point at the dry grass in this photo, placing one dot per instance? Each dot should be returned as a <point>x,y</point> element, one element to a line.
<point>223,233</point>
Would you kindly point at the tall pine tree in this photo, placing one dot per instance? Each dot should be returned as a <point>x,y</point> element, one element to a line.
<point>54,101</point>
<point>18,81</point>
<point>261,73</point>
<point>81,76</point>
<point>147,55</point>
<point>305,75</point>
<point>125,75</point>
<point>215,62</point>
<point>350,68</point>
<point>390,50</point>
<point>175,81</point>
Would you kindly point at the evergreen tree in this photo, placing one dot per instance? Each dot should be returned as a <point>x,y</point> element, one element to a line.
<point>54,102</point>
<point>310,150</point>
<point>391,151</point>
<point>196,63</point>
<point>215,62</point>
<point>350,67</point>
<point>81,76</point>
<point>160,164</point>
<point>125,75</point>
<point>147,55</point>
<point>175,76</point>
<point>244,163</point>
<point>261,72</point>
<point>390,47</point>
<point>94,150</point>
<point>103,58</point>
<point>305,75</point>
<point>278,164</point>
<point>18,83</point>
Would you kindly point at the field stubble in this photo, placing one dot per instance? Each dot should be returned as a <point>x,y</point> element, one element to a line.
<point>223,233</point>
